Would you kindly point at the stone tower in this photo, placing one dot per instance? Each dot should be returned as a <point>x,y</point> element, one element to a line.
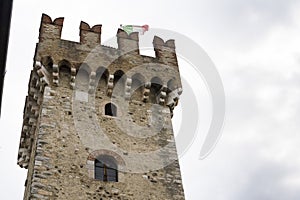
<point>97,119</point>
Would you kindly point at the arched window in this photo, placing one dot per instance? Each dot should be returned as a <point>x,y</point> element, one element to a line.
<point>137,86</point>
<point>48,63</point>
<point>106,169</point>
<point>156,85</point>
<point>64,72</point>
<point>102,75</point>
<point>119,83</point>
<point>111,109</point>
<point>82,78</point>
<point>171,85</point>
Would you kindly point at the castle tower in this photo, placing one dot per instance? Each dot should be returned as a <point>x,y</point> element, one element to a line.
<point>97,119</point>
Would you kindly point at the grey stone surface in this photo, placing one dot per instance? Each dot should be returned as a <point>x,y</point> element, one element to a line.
<point>65,126</point>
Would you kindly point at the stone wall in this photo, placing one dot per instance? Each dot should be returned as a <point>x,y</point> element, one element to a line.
<point>65,126</point>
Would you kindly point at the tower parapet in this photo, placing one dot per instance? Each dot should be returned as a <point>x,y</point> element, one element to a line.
<point>128,43</point>
<point>90,39</point>
<point>50,30</point>
<point>165,51</point>
<point>90,36</point>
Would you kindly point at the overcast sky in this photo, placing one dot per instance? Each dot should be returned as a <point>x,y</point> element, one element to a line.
<point>255,46</point>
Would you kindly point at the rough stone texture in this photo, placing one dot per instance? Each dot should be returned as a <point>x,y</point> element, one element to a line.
<point>65,127</point>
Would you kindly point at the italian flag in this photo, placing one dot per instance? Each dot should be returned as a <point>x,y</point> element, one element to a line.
<point>134,28</point>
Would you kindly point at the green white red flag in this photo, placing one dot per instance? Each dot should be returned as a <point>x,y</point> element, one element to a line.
<point>134,28</point>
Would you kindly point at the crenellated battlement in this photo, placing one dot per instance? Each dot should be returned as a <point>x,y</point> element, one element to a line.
<point>90,37</point>
<point>89,52</point>
<point>50,30</point>
<point>128,42</point>
<point>159,43</point>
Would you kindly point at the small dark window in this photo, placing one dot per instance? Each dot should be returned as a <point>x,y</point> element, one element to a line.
<point>106,169</point>
<point>110,109</point>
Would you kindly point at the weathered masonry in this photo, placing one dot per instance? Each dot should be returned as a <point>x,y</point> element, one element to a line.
<point>97,119</point>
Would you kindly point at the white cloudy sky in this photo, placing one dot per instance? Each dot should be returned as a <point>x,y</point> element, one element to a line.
<point>255,46</point>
